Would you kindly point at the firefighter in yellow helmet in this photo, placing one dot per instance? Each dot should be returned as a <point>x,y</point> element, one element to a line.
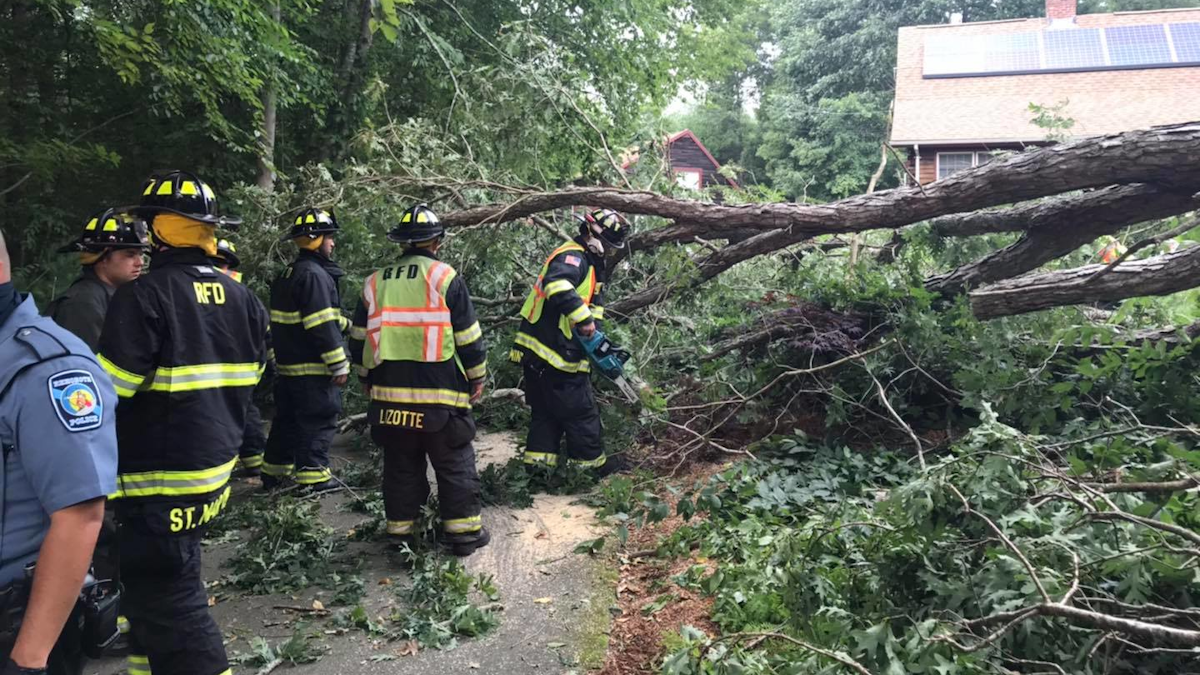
<point>422,361</point>
<point>185,347</point>
<point>110,248</point>
<point>311,363</point>
<point>567,298</point>
<point>254,438</point>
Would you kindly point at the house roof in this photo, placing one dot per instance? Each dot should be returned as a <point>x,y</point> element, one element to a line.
<point>995,109</point>
<point>631,156</point>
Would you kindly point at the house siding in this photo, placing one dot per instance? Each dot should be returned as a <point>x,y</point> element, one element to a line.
<point>929,153</point>
<point>685,154</point>
<point>996,108</point>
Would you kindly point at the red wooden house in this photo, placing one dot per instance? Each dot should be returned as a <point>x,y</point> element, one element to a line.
<point>690,162</point>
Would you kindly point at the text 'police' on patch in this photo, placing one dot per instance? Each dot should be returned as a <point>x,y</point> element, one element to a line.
<point>76,399</point>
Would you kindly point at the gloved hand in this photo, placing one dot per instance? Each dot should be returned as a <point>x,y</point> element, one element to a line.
<point>11,668</point>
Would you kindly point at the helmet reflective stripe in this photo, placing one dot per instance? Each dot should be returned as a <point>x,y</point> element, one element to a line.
<point>110,225</point>
<point>187,187</point>
<point>92,224</point>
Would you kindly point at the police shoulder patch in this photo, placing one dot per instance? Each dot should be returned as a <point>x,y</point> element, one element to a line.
<point>76,399</point>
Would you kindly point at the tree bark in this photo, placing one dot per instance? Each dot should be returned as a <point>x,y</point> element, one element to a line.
<point>1160,275</point>
<point>266,150</point>
<point>1053,229</point>
<point>1163,155</point>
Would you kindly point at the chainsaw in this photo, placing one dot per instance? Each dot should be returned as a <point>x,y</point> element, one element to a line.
<point>610,360</point>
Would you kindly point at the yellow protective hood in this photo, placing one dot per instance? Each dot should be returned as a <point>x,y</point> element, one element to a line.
<point>180,232</point>
<point>309,243</point>
<point>87,258</point>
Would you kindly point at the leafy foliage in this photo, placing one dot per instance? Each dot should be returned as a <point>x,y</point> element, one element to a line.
<point>289,549</point>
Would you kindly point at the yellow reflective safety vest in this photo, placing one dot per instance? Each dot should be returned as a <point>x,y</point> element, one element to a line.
<point>566,293</point>
<point>409,320</point>
<point>416,337</point>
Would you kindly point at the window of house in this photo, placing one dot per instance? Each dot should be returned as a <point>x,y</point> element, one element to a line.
<point>689,178</point>
<point>952,162</point>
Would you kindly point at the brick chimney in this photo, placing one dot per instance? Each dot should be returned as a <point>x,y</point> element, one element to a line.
<point>1060,9</point>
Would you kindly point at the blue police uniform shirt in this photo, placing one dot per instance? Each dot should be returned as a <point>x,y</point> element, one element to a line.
<point>58,431</point>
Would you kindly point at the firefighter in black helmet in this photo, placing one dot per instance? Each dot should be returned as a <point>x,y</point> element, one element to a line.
<point>312,365</point>
<point>110,249</point>
<point>254,439</point>
<point>567,298</point>
<point>422,362</point>
<point>184,346</point>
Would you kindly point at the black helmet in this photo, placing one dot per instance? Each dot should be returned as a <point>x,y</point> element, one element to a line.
<point>110,228</point>
<point>184,194</point>
<point>418,224</point>
<point>312,223</point>
<point>227,252</point>
<point>613,227</point>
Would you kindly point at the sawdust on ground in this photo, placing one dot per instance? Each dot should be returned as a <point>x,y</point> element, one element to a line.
<point>636,645</point>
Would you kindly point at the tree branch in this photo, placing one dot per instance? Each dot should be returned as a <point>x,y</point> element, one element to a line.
<point>1160,275</point>
<point>1053,229</point>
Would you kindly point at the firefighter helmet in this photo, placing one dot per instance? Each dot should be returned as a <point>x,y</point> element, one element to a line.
<point>418,224</point>
<point>312,223</point>
<point>184,194</point>
<point>110,228</point>
<point>607,224</point>
<point>227,252</point>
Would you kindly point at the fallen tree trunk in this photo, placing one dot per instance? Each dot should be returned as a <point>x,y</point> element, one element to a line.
<point>1162,155</point>
<point>1160,275</point>
<point>1053,229</point>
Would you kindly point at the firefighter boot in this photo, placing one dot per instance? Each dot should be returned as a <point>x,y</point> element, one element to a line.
<point>463,545</point>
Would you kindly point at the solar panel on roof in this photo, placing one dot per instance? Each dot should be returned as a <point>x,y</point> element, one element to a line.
<point>1137,45</point>
<point>1063,50</point>
<point>1014,52</point>
<point>952,54</point>
<point>1073,48</point>
<point>1186,37</point>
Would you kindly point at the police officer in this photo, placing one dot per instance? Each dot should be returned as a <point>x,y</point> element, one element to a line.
<point>110,249</point>
<point>184,346</point>
<point>567,298</point>
<point>59,461</point>
<point>254,439</point>
<point>423,363</point>
<point>311,361</point>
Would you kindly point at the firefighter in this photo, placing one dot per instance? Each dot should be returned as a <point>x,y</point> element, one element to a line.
<point>254,439</point>
<point>184,346</point>
<point>567,298</point>
<point>311,360</point>
<point>110,249</point>
<point>1111,251</point>
<point>422,363</point>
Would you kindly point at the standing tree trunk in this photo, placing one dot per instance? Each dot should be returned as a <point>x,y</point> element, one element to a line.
<point>354,54</point>
<point>266,144</point>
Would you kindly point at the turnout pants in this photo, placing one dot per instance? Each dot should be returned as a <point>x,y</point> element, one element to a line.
<point>254,439</point>
<point>406,487</point>
<point>562,406</point>
<point>171,631</point>
<point>306,412</point>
